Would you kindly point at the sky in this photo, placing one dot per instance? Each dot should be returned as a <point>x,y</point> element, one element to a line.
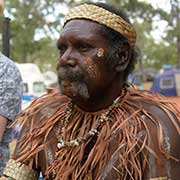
<point>164,4</point>
<point>160,26</point>
<point>158,32</point>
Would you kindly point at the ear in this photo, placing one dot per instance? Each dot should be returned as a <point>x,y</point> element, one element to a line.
<point>123,55</point>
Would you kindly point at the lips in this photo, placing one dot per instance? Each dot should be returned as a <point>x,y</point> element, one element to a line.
<point>70,74</point>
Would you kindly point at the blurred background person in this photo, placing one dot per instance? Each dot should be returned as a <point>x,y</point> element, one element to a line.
<point>11,88</point>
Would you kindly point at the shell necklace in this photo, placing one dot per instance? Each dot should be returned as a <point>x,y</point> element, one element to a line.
<point>104,117</point>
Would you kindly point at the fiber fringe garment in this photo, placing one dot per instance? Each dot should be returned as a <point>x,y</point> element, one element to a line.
<point>126,132</point>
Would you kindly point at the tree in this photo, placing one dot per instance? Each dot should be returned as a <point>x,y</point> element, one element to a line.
<point>155,54</point>
<point>23,26</point>
<point>28,17</point>
<point>35,26</point>
<point>31,17</point>
<point>141,14</point>
<point>173,35</point>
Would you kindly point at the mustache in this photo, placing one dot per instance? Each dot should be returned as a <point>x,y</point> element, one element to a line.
<point>69,74</point>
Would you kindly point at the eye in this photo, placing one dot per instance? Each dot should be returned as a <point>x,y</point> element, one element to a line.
<point>62,48</point>
<point>83,47</point>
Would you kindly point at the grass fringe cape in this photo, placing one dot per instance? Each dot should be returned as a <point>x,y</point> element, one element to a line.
<point>125,122</point>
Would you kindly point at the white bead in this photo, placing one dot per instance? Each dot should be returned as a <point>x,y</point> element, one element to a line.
<point>60,144</point>
<point>75,142</point>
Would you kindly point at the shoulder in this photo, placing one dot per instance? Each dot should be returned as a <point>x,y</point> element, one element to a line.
<point>154,103</point>
<point>160,111</point>
<point>38,121</point>
<point>8,68</point>
<point>43,108</point>
<point>163,124</point>
<point>161,116</point>
<point>4,61</point>
<point>11,87</point>
<point>163,129</point>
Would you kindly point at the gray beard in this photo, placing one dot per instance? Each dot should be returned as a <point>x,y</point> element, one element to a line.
<point>79,89</point>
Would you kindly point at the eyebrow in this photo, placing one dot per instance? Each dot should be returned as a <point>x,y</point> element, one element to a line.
<point>80,38</point>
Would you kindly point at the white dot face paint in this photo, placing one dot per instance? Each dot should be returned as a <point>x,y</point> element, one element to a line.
<point>100,53</point>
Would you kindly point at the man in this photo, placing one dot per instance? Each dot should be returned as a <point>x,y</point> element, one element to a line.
<point>10,104</point>
<point>99,128</point>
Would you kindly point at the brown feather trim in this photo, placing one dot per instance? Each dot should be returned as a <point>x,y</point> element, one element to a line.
<point>122,133</point>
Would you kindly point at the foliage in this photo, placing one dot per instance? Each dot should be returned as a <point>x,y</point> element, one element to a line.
<point>154,54</point>
<point>173,35</point>
<point>27,18</point>
<point>44,17</point>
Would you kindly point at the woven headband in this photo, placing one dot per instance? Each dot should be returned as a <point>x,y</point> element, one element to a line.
<point>105,17</point>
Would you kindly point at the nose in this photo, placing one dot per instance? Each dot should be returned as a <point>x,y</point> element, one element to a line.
<point>67,59</point>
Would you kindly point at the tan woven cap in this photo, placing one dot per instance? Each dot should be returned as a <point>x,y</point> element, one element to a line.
<point>103,16</point>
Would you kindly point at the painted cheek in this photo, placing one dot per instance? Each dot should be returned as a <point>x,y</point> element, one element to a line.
<point>92,69</point>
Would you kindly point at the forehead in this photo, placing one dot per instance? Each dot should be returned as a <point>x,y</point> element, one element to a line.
<point>82,29</point>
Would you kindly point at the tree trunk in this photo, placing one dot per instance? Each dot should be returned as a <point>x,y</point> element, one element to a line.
<point>6,37</point>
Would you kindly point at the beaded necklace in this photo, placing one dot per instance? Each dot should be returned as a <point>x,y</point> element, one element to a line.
<point>104,117</point>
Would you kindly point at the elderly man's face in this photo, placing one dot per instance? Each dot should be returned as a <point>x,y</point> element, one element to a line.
<point>81,73</point>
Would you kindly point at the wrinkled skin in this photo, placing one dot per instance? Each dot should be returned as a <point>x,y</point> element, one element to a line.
<point>83,76</point>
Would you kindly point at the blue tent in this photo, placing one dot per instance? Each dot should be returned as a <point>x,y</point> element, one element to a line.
<point>167,83</point>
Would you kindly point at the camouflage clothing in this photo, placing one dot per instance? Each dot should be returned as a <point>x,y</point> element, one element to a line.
<point>10,101</point>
